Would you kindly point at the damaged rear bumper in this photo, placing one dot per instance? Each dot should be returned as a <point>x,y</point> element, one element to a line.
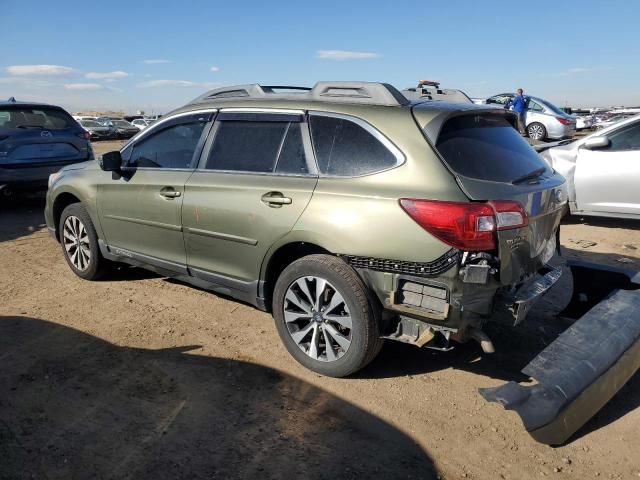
<point>586,365</point>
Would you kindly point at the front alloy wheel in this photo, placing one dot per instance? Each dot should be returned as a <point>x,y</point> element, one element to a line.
<point>76,243</point>
<point>318,318</point>
<point>79,242</point>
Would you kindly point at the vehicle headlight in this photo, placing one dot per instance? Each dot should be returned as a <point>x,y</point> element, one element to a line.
<point>53,177</point>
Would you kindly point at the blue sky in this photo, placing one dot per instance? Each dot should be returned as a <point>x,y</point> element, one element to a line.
<point>155,56</point>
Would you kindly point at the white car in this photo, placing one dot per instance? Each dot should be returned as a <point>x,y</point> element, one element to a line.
<point>584,121</point>
<point>602,170</point>
<point>141,123</point>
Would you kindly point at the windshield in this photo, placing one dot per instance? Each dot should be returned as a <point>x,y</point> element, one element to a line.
<point>35,117</point>
<point>121,123</point>
<point>487,147</point>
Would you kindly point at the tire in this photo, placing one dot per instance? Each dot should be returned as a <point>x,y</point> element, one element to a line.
<point>79,243</point>
<point>537,131</point>
<point>335,335</point>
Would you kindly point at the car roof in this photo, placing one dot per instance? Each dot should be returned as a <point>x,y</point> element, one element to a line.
<point>9,103</point>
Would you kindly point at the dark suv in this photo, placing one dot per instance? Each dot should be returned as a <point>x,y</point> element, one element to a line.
<point>36,140</point>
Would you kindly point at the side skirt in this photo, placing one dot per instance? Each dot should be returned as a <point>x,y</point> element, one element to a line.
<point>237,289</point>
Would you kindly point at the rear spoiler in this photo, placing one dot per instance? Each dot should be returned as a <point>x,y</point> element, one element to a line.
<point>431,116</point>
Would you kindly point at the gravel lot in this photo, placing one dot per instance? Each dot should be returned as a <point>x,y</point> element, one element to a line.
<point>138,376</point>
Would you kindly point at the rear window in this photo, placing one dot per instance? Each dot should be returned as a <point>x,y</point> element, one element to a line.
<point>346,149</point>
<point>487,148</point>
<point>35,117</point>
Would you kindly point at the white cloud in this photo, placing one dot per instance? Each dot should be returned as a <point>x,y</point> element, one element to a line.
<point>155,61</point>
<point>215,69</point>
<point>345,55</point>
<point>106,75</point>
<point>83,86</point>
<point>39,70</point>
<point>175,83</point>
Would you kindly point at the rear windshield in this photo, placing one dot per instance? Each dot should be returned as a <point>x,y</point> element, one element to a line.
<point>121,123</point>
<point>35,117</point>
<point>89,123</point>
<point>487,148</point>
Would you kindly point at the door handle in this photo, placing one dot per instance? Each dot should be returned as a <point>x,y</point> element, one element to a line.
<point>169,192</point>
<point>276,199</point>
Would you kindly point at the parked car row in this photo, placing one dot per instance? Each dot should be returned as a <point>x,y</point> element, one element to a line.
<point>102,128</point>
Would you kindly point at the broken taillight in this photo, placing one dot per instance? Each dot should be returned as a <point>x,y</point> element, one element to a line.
<point>467,226</point>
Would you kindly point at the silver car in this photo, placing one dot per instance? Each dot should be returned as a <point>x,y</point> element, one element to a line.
<point>544,119</point>
<point>602,170</point>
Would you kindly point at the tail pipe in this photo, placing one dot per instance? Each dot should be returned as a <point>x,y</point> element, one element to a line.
<point>586,365</point>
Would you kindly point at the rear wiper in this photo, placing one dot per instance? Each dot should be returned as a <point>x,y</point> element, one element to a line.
<point>530,176</point>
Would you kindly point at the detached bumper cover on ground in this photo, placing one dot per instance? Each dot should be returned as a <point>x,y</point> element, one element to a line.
<point>587,364</point>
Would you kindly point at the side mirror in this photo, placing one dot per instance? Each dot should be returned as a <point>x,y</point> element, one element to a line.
<point>111,161</point>
<point>597,142</point>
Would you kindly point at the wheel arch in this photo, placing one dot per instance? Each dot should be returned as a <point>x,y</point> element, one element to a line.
<point>278,259</point>
<point>62,201</point>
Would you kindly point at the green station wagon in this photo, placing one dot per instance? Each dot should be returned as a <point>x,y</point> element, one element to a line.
<point>351,213</point>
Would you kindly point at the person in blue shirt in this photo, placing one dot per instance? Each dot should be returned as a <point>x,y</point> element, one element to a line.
<point>519,105</point>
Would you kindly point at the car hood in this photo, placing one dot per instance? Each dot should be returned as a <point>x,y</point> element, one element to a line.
<point>80,166</point>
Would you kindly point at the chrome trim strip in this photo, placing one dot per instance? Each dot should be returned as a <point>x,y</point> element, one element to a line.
<point>148,223</point>
<point>261,110</point>
<point>222,236</point>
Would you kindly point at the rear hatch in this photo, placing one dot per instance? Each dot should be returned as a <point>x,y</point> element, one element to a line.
<point>492,162</point>
<point>32,136</point>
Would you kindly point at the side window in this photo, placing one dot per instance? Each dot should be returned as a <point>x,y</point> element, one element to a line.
<point>172,147</point>
<point>534,106</point>
<point>344,148</point>
<point>258,146</point>
<point>627,138</point>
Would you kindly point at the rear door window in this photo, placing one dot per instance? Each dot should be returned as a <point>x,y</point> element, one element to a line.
<point>534,106</point>
<point>261,146</point>
<point>487,147</point>
<point>35,117</point>
<point>344,148</point>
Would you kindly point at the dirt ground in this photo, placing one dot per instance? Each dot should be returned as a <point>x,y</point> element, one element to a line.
<point>137,376</point>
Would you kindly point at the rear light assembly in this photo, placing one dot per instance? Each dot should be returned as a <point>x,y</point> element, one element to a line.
<point>466,226</point>
<point>85,135</point>
<point>564,121</point>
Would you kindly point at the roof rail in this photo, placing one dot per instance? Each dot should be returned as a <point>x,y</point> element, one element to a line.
<point>368,93</point>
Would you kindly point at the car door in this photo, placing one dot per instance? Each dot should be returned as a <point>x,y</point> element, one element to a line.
<point>140,210</point>
<point>606,179</point>
<point>254,180</point>
<point>535,112</point>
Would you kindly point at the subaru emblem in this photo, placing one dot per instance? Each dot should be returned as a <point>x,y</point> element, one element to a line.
<point>45,133</point>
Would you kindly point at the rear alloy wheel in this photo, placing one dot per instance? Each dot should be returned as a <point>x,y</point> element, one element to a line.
<point>79,242</point>
<point>318,319</point>
<point>537,131</point>
<point>325,317</point>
